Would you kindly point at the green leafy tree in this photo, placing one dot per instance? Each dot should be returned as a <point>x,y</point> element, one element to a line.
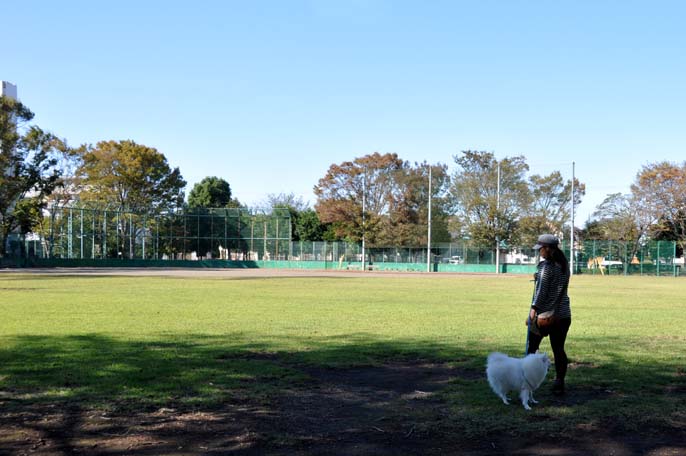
<point>474,196</point>
<point>288,201</point>
<point>130,176</point>
<point>549,208</point>
<point>308,227</point>
<point>28,171</point>
<point>305,223</point>
<point>622,217</point>
<point>616,219</point>
<point>69,160</point>
<point>211,192</point>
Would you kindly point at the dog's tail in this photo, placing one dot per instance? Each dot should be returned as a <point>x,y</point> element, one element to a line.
<point>495,357</point>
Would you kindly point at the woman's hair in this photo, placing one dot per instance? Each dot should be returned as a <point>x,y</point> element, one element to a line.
<point>560,258</point>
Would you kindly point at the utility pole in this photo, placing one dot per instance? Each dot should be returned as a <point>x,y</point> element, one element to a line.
<point>428,244</point>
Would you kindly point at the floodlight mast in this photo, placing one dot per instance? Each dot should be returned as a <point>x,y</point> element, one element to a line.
<point>497,237</point>
<point>571,234</point>
<point>364,228</point>
<point>428,244</point>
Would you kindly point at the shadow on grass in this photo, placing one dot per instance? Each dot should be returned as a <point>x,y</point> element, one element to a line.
<point>100,370</point>
<point>351,394</point>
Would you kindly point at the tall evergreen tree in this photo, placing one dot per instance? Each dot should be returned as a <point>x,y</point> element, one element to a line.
<point>211,192</point>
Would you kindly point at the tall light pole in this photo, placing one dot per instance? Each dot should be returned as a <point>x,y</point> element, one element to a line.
<point>364,208</point>
<point>428,244</point>
<point>497,236</point>
<point>571,234</point>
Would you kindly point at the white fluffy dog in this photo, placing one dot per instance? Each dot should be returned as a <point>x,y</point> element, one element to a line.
<point>517,374</point>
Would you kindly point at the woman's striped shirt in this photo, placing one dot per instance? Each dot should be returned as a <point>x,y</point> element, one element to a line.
<point>551,286</point>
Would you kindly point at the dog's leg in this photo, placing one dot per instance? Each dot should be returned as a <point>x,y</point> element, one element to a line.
<point>501,394</point>
<point>531,398</point>
<point>524,396</point>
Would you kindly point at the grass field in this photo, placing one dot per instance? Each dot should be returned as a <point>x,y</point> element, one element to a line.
<point>122,345</point>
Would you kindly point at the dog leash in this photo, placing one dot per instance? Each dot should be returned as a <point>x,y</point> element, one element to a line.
<point>531,387</point>
<point>528,320</point>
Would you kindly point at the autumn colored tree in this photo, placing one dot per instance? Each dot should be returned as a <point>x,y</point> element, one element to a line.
<point>408,217</point>
<point>345,187</point>
<point>396,196</point>
<point>654,209</point>
<point>624,218</point>
<point>660,190</point>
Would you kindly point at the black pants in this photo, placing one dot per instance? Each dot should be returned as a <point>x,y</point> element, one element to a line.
<point>558,335</point>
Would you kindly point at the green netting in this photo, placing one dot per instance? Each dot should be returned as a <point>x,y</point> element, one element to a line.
<point>238,235</point>
<point>617,257</point>
<point>228,234</point>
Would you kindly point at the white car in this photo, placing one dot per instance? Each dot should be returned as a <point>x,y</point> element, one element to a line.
<point>456,259</point>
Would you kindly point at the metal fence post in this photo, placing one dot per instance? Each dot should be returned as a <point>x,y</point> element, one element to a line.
<point>131,255</point>
<point>93,236</point>
<point>81,236</point>
<point>69,235</point>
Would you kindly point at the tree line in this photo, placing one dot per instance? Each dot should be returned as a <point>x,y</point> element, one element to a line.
<point>379,196</point>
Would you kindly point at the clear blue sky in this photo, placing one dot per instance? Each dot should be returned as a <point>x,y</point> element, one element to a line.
<point>268,94</point>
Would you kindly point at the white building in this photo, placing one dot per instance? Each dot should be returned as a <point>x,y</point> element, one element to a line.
<point>7,89</point>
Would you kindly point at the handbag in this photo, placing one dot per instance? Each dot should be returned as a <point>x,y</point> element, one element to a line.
<point>546,320</point>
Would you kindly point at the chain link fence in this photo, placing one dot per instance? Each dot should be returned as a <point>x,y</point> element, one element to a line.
<point>202,234</point>
<point>242,237</point>
<point>628,258</point>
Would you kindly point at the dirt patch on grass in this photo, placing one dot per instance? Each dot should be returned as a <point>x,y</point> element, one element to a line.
<point>390,409</point>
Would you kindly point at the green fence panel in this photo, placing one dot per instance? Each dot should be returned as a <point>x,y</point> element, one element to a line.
<point>236,237</point>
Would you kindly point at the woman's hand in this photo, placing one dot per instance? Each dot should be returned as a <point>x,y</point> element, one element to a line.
<point>532,315</point>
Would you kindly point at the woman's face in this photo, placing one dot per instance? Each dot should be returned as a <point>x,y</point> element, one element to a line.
<point>545,252</point>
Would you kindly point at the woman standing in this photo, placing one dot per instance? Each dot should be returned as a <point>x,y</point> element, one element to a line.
<point>552,279</point>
